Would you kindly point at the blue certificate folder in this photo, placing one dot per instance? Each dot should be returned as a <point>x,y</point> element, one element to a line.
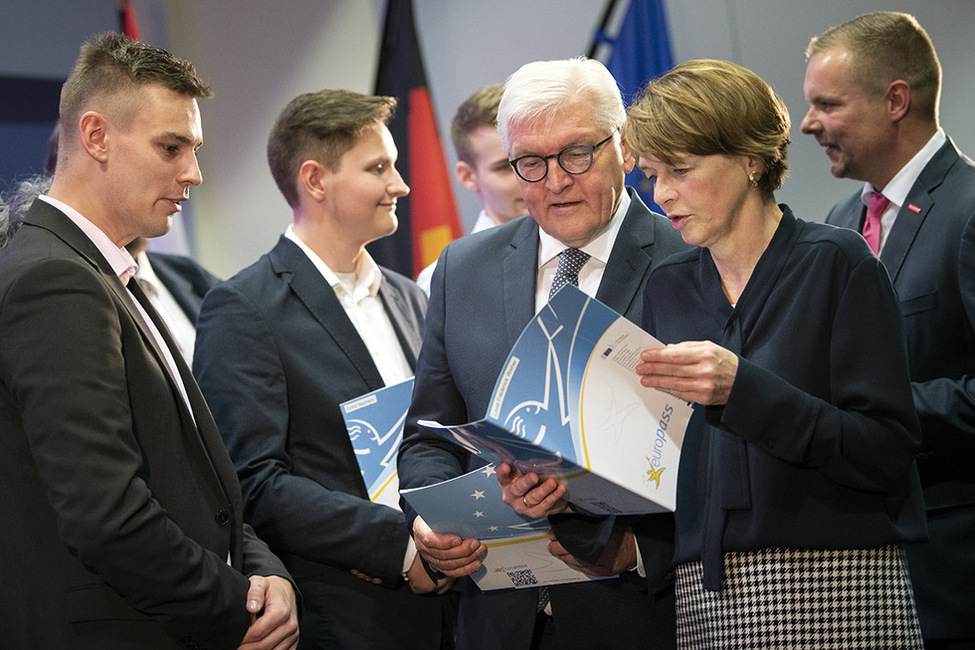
<point>375,425</point>
<point>568,404</point>
<point>517,554</point>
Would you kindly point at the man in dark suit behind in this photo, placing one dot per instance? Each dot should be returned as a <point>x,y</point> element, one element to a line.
<point>873,86</point>
<point>175,285</point>
<point>121,510</point>
<point>559,123</point>
<point>312,324</point>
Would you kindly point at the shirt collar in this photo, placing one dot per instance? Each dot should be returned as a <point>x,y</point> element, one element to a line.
<point>900,185</point>
<point>367,273</point>
<point>118,258</point>
<point>599,247</point>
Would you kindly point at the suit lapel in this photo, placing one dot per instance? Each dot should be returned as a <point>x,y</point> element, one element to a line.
<point>292,265</point>
<point>408,331</point>
<point>915,210</point>
<point>630,259</point>
<point>519,274</point>
<point>199,428</point>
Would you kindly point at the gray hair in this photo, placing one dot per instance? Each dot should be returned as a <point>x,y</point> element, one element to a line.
<point>542,91</point>
<point>17,201</point>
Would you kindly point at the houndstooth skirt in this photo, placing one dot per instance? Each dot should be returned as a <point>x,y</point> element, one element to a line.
<point>788,598</point>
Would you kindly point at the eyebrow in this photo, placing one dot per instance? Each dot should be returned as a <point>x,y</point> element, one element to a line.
<point>182,139</point>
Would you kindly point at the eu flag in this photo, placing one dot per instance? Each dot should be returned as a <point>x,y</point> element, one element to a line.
<point>640,52</point>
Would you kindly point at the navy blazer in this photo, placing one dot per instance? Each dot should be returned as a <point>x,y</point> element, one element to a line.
<point>185,279</point>
<point>482,297</point>
<point>930,256</point>
<point>276,354</point>
<point>120,508</point>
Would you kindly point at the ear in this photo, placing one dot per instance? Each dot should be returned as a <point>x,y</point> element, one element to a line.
<point>466,176</point>
<point>313,179</point>
<point>93,131</point>
<point>898,99</point>
<point>629,160</point>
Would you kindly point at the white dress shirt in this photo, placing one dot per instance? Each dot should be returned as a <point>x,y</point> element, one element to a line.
<point>591,274</point>
<point>900,185</point>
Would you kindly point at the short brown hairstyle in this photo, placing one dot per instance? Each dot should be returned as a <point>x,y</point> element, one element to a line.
<point>887,46</point>
<point>320,126</point>
<point>478,110</point>
<point>115,67</point>
<point>705,107</point>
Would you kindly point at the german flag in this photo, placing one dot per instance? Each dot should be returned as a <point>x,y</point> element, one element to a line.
<point>428,218</point>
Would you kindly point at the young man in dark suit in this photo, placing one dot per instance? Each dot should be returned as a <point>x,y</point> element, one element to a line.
<point>121,510</point>
<point>312,324</point>
<point>558,122</point>
<point>873,85</point>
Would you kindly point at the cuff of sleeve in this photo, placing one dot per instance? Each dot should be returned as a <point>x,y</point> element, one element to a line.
<point>410,556</point>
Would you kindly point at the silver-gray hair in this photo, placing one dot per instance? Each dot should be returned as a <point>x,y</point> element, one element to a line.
<point>15,203</point>
<point>542,91</point>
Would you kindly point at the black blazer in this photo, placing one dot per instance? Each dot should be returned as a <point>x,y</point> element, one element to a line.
<point>482,296</point>
<point>119,513</point>
<point>930,256</point>
<point>275,355</point>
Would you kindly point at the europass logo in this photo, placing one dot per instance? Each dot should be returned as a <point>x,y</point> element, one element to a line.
<point>653,474</point>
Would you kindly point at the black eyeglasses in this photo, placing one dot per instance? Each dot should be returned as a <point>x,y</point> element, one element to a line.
<point>575,160</point>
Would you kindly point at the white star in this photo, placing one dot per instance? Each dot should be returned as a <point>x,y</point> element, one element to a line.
<point>488,470</point>
<point>493,529</point>
<point>478,513</point>
<point>478,494</point>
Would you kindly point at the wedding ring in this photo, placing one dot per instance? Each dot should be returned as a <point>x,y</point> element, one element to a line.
<point>525,501</point>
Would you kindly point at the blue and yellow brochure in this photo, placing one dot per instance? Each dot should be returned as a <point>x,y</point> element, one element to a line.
<point>569,405</point>
<point>375,425</point>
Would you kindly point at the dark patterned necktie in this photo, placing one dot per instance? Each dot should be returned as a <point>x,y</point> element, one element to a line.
<point>571,261</point>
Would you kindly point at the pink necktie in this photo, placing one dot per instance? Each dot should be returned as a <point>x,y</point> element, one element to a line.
<point>871,225</point>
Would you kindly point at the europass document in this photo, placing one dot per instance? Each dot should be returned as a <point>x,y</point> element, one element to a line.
<point>569,405</point>
<point>517,554</point>
<point>375,425</point>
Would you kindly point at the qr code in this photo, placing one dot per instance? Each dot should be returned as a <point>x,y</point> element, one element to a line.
<point>522,577</point>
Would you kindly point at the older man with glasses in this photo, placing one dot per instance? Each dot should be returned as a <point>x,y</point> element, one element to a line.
<point>559,123</point>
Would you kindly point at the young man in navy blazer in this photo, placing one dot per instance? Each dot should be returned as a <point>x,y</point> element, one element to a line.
<point>314,323</point>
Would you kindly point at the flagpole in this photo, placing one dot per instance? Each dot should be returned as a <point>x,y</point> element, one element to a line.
<point>600,36</point>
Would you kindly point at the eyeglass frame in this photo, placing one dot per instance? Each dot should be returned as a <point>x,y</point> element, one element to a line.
<point>591,148</point>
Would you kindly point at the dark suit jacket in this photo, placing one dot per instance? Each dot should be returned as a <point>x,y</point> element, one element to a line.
<point>185,279</point>
<point>119,513</point>
<point>482,296</point>
<point>276,354</point>
<point>930,255</point>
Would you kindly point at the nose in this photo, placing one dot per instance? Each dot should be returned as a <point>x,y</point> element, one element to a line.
<point>397,186</point>
<point>191,174</point>
<point>809,123</point>
<point>557,179</point>
<point>662,193</point>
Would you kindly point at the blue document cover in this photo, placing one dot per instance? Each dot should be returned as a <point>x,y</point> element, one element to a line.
<point>569,405</point>
<point>517,554</point>
<point>375,425</point>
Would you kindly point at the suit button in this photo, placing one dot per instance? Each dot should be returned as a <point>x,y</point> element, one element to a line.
<point>222,517</point>
<point>377,581</point>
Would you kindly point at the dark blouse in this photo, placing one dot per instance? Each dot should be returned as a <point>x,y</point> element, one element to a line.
<point>815,447</point>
